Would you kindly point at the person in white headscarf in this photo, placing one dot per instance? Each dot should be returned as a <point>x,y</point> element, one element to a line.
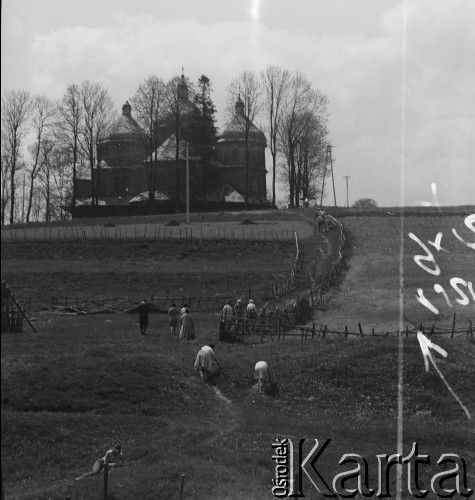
<point>264,376</point>
<point>251,310</point>
<point>207,364</point>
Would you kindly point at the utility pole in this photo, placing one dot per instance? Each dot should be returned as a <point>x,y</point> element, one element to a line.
<point>347,177</point>
<point>328,157</point>
<point>187,186</point>
<point>329,150</point>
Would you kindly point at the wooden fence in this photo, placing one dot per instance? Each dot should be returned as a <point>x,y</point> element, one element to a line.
<point>151,232</point>
<point>281,325</point>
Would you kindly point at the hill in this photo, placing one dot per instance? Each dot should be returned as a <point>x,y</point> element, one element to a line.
<point>85,381</point>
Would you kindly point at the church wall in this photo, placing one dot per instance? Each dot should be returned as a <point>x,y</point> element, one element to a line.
<point>120,153</point>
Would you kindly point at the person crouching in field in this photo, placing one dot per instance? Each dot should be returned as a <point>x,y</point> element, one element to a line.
<point>113,458</point>
<point>173,313</point>
<point>143,316</point>
<point>187,329</point>
<point>263,374</point>
<point>207,364</point>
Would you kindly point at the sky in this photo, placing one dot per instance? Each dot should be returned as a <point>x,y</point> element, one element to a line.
<point>399,75</point>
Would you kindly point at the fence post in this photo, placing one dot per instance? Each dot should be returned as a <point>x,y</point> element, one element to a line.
<point>182,485</point>
<point>407,331</point>
<point>361,329</point>
<point>453,327</point>
<point>106,480</point>
<point>324,331</point>
<point>346,331</point>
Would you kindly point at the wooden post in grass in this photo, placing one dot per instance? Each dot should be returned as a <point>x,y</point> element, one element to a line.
<point>346,331</point>
<point>182,486</point>
<point>453,327</point>
<point>407,331</point>
<point>324,331</point>
<point>106,479</point>
<point>361,329</point>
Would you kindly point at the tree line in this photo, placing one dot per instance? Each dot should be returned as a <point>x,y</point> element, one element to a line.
<point>47,145</point>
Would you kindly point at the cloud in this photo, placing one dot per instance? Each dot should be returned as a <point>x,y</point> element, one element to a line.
<point>380,99</point>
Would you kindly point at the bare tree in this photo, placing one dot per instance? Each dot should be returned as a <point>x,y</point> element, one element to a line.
<point>244,103</point>
<point>55,179</point>
<point>97,117</point>
<point>274,82</point>
<point>5,178</point>
<point>148,102</point>
<point>43,115</point>
<point>15,111</point>
<point>303,104</point>
<point>69,128</point>
<point>310,157</point>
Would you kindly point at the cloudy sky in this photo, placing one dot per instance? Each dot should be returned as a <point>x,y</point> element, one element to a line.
<point>400,75</point>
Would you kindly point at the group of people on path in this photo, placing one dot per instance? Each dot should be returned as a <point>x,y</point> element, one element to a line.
<point>187,325</point>
<point>209,369</point>
<point>229,313</point>
<point>323,221</point>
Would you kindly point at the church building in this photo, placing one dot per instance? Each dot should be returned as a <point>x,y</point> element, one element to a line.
<point>127,168</point>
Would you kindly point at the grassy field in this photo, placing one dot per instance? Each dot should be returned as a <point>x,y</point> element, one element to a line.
<point>381,286</point>
<point>86,381</point>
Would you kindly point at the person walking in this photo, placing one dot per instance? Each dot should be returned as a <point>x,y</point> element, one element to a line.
<point>173,313</point>
<point>207,364</point>
<point>112,458</point>
<point>238,311</point>
<point>251,310</point>
<point>143,309</point>
<point>227,311</point>
<point>187,329</point>
<point>184,308</point>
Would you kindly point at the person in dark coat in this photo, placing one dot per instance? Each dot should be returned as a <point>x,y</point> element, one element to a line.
<point>143,316</point>
<point>173,313</point>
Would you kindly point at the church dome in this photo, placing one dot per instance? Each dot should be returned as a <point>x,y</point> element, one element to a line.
<point>125,127</point>
<point>236,128</point>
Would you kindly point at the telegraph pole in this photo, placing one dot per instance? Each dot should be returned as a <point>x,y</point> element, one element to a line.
<point>329,151</point>
<point>187,186</point>
<point>347,177</point>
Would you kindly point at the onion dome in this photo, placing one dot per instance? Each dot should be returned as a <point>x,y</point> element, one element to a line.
<point>125,127</point>
<point>182,89</point>
<point>235,129</point>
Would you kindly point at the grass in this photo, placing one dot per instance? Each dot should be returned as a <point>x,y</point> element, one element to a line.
<point>374,290</point>
<point>86,381</point>
<point>98,269</point>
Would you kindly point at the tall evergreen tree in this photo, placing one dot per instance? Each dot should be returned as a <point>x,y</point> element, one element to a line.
<point>202,131</point>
